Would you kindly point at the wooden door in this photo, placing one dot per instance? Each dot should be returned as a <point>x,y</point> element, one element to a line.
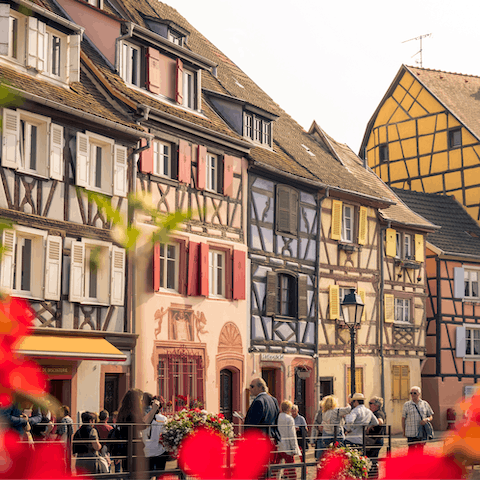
<point>300,389</point>
<point>226,378</point>
<point>268,374</point>
<point>111,400</point>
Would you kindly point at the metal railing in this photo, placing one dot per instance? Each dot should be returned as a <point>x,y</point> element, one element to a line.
<point>133,463</point>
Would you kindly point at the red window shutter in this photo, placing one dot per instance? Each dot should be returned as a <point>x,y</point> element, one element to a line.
<point>201,167</point>
<point>193,269</point>
<point>184,162</point>
<point>156,267</point>
<point>182,267</point>
<point>228,176</point>
<point>179,82</point>
<point>204,269</point>
<point>239,275</point>
<point>228,275</point>
<point>153,70</point>
<point>146,158</point>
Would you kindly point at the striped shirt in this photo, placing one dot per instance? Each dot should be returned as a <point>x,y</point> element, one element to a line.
<point>412,418</point>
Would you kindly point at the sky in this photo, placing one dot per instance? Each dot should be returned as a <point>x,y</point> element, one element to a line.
<point>333,61</point>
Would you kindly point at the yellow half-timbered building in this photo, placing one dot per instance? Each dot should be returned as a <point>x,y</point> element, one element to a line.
<point>425,135</point>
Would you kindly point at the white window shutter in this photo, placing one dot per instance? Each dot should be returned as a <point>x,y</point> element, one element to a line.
<point>53,263</point>
<point>41,47</point>
<point>10,138</point>
<point>461,343</point>
<point>56,152</point>
<point>4,27</point>
<point>120,171</point>
<point>459,282</point>
<point>32,39</point>
<point>7,266</point>
<point>82,163</point>
<point>74,63</point>
<point>77,272</point>
<point>117,288</point>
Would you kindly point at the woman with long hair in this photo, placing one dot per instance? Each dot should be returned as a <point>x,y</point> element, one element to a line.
<point>332,416</point>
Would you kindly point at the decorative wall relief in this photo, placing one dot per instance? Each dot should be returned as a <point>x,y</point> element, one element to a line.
<point>200,322</point>
<point>159,314</point>
<point>183,323</point>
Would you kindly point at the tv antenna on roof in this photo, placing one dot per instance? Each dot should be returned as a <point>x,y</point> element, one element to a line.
<point>421,37</point>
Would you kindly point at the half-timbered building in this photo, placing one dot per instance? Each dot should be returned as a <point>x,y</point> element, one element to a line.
<point>60,138</point>
<point>363,247</point>
<point>451,370</point>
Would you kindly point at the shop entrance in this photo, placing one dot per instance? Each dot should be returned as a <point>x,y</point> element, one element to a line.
<point>61,390</point>
<point>111,398</point>
<point>268,374</point>
<point>226,393</point>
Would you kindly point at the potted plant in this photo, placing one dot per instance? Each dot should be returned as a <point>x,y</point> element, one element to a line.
<point>353,465</point>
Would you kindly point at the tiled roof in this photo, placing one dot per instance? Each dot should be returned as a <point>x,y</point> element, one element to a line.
<point>459,93</point>
<point>459,233</point>
<point>398,212</point>
<point>288,153</point>
<point>82,96</point>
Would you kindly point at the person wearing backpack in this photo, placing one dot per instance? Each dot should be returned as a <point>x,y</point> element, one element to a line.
<point>154,450</point>
<point>86,446</point>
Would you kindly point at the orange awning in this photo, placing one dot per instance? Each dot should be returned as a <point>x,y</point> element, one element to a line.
<point>75,348</point>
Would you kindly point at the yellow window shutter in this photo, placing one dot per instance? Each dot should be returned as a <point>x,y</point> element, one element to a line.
<point>419,248</point>
<point>390,242</point>
<point>334,301</point>
<point>362,226</point>
<point>405,382</point>
<point>389,307</point>
<point>361,292</point>
<point>396,380</point>
<point>336,233</point>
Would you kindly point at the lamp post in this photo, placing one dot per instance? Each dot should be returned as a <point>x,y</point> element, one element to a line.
<point>352,308</point>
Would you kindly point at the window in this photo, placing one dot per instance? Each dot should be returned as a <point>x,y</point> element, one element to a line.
<point>257,129</point>
<point>175,37</point>
<point>213,180</point>
<point>101,164</point>
<point>347,223</point>
<point>471,284</point>
<point>217,273</point>
<point>383,153</point>
<point>189,89</point>
<point>455,138</point>
<point>358,380</point>
<point>405,246</point>
<point>169,258</point>
<point>97,273</point>
<point>55,51</point>
<point>472,341</point>
<point>32,144</point>
<point>400,382</point>
<point>31,263</point>
<point>130,68</point>
<point>402,310</point>
<point>286,295</point>
<point>162,153</point>
<point>181,375</point>
<point>13,42</point>
<point>287,210</point>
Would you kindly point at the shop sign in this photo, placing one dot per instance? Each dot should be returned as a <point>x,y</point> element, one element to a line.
<point>55,370</point>
<point>271,356</point>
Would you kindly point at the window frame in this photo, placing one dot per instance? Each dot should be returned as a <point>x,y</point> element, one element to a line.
<point>406,306</point>
<point>383,152</point>
<point>107,159</point>
<point>127,61</point>
<point>470,272</point>
<point>164,271</point>
<point>257,129</point>
<point>292,301</point>
<point>472,329</point>
<point>104,268</point>
<point>189,90</point>
<point>350,237</point>
<point>157,155</point>
<point>454,134</point>
<point>213,273</point>
<point>213,172</point>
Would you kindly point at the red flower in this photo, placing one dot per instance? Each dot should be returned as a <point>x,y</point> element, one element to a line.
<point>221,415</point>
<point>422,466</point>
<point>18,460</point>
<point>203,454</point>
<point>335,463</point>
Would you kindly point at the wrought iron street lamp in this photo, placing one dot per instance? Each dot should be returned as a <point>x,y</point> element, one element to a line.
<point>352,308</point>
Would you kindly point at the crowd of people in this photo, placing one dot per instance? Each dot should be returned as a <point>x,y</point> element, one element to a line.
<point>100,444</point>
<point>354,425</point>
<point>101,437</point>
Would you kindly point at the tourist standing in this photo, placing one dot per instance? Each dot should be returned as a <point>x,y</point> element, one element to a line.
<point>359,418</point>
<point>154,450</point>
<point>86,445</point>
<point>416,412</point>
<point>332,417</point>
<point>375,434</point>
<point>287,446</point>
<point>301,429</point>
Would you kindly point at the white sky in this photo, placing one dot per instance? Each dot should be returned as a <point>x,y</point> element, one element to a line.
<point>332,61</point>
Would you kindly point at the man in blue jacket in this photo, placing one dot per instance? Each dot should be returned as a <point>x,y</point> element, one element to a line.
<point>263,412</point>
<point>17,420</point>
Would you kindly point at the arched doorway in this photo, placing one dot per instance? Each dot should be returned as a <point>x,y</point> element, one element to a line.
<point>226,393</point>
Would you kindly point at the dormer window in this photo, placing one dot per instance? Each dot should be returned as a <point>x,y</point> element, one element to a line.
<point>175,37</point>
<point>257,129</point>
<point>131,55</point>
<point>96,3</point>
<point>37,45</point>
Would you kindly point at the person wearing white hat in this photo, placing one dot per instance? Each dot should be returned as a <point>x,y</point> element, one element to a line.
<point>357,419</point>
